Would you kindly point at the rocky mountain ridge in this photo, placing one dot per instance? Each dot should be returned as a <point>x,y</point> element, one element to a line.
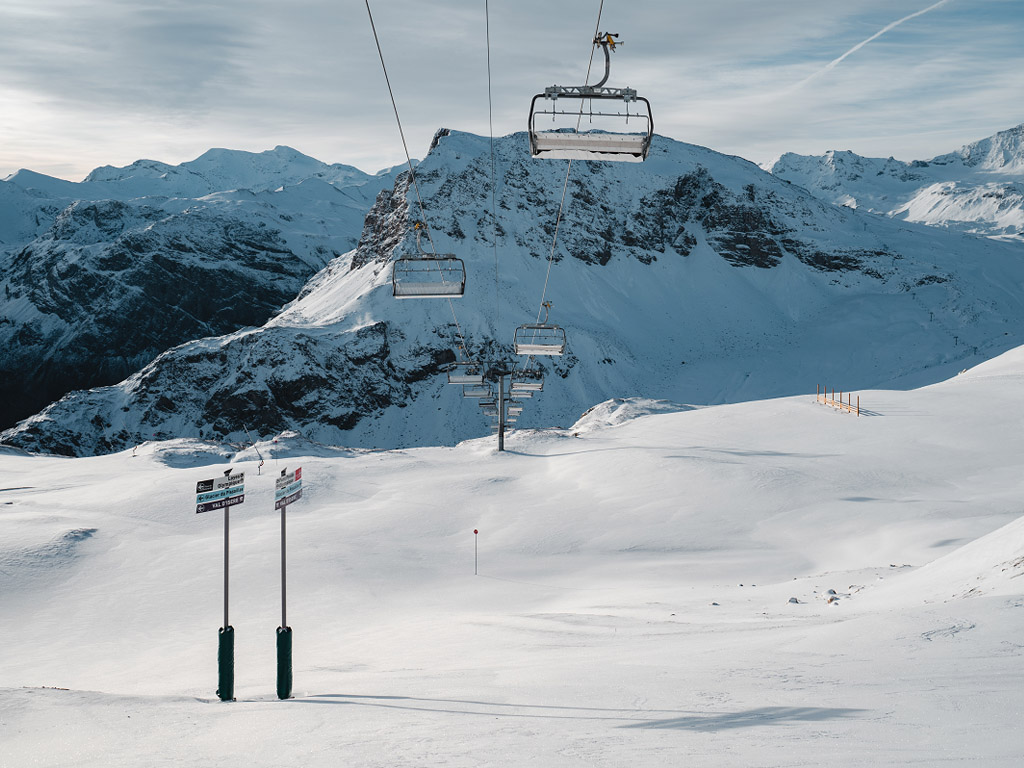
<point>100,277</point>
<point>694,277</point>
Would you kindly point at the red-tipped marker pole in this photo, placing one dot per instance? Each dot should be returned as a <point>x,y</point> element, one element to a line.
<point>475,534</point>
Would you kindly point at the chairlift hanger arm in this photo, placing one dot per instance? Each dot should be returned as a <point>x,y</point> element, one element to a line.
<point>606,40</point>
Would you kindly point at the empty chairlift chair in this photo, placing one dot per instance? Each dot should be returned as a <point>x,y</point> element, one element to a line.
<point>539,338</point>
<point>428,276</point>
<point>608,136</point>
<point>478,392</point>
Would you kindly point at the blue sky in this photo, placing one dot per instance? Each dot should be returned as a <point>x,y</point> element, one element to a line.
<point>112,81</point>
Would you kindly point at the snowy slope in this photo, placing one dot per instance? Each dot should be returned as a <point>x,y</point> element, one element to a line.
<point>768,583</point>
<point>694,278</point>
<point>101,276</point>
<point>977,189</point>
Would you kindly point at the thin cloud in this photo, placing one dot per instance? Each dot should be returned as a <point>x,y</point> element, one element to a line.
<point>835,62</point>
<point>113,81</point>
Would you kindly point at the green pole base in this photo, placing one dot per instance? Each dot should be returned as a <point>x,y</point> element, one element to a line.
<point>226,664</point>
<point>284,662</point>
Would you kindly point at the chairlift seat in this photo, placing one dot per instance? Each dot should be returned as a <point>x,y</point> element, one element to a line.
<point>477,392</point>
<point>539,339</point>
<point>621,147</point>
<point>605,141</point>
<point>466,374</point>
<point>523,386</point>
<point>428,277</point>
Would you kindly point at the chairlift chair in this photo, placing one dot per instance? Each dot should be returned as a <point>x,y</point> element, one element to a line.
<point>568,142</point>
<point>428,275</point>
<point>539,338</point>
<point>527,380</point>
<point>466,373</point>
<point>514,410</point>
<point>477,392</point>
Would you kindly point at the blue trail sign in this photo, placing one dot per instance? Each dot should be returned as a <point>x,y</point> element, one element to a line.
<point>288,488</point>
<point>220,492</point>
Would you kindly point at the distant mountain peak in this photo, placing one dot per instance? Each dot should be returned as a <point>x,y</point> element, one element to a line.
<point>977,189</point>
<point>1003,151</point>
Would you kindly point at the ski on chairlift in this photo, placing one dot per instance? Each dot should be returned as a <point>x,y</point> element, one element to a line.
<point>608,135</point>
<point>428,275</point>
<point>539,338</point>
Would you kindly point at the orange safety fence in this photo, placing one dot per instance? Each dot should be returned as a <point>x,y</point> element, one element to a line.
<point>849,406</point>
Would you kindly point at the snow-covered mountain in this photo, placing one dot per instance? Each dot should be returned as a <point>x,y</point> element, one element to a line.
<point>99,277</point>
<point>693,277</point>
<point>977,189</point>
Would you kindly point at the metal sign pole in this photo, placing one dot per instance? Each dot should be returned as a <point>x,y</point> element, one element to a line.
<point>214,494</point>
<point>226,511</point>
<point>284,577</point>
<point>285,483</point>
<point>226,637</point>
<point>501,413</point>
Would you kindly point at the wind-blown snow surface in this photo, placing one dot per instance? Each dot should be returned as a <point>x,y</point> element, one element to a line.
<point>633,605</point>
<point>978,189</point>
<point>694,277</point>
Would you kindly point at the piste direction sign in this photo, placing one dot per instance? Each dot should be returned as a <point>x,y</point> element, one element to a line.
<point>220,492</point>
<point>288,488</point>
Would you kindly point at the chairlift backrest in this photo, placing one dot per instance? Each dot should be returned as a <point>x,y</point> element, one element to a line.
<point>539,339</point>
<point>527,380</point>
<point>428,275</point>
<point>466,373</point>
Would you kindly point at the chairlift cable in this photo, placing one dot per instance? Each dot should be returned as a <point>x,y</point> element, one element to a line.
<point>408,157</point>
<point>494,210</point>
<point>565,184</point>
<point>405,146</point>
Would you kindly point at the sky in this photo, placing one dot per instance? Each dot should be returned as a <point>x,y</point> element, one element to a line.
<point>112,81</point>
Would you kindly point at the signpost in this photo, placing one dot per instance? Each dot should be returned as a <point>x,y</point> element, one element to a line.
<point>287,489</point>
<point>223,493</point>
